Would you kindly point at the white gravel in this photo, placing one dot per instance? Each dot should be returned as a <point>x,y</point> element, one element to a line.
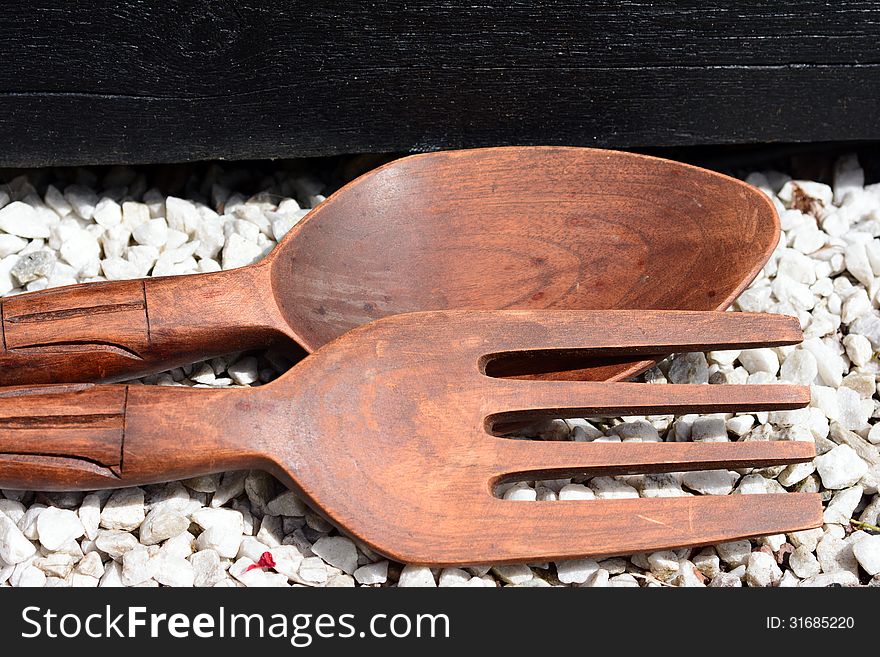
<point>56,230</point>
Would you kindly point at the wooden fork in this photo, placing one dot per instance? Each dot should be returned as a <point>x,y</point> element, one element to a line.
<point>389,430</point>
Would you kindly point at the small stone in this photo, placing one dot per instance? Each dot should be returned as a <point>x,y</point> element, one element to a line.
<point>153,232</point>
<point>222,539</point>
<point>416,576</point>
<point>868,326</point>
<point>864,383</point>
<point>839,578</point>
<point>759,360</point>
<point>138,565</point>
<point>338,551</point>
<point>22,220</point>
<point>377,573</point>
<point>271,532</point>
<point>174,571</point>
<point>854,411</point>
<point>599,579</point>
<point>112,577</point>
<point>755,484</point>
<point>182,545</point>
<point>799,367</point>
<point>286,504</point>
<point>14,546</point>
<point>842,506</point>
<point>244,371</point>
<point>867,553</point>
<point>825,398</point>
<point>124,510</point>
<point>857,262</point>
<point>239,251</point>
<point>118,269</point>
<point>91,565</point>
<point>514,574</point>
<point>664,564</point>
<point>576,571</point>
<point>28,577</point>
<point>231,485</point>
<point>260,488</point>
<point>56,564</point>
<point>795,473</point>
<point>521,492</point>
<point>207,570</point>
<point>734,553</point>
<point>740,425</point>
<point>28,522</point>
<point>659,485</point>
<point>624,580</point>
<point>608,488</point>
<point>636,431</point>
<point>688,576</point>
<point>82,200</point>
<point>840,468</point>
<point>83,252</point>
<point>709,482</point>
<point>312,569</point>
<point>576,492</point>
<point>707,562</point>
<point>858,349</point>
<point>836,554</point>
<point>114,542</point>
<point>34,265</point>
<point>689,368</point>
<point>10,244</point>
<point>725,580</point>
<point>874,434</point>
<point>804,563</point>
<point>709,429</point>
<point>160,525</point>
<point>108,213</point>
<point>55,527</point>
<point>807,538</point>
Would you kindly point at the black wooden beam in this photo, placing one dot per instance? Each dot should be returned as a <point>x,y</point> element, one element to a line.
<point>137,81</point>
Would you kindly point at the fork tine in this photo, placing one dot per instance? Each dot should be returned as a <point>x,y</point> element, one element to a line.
<point>616,332</point>
<point>522,531</point>
<point>514,400</point>
<point>529,459</point>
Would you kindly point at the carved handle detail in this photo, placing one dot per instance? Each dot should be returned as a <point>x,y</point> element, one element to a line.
<point>74,428</point>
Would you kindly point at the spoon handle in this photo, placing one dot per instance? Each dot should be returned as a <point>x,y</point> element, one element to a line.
<point>86,436</point>
<point>111,331</point>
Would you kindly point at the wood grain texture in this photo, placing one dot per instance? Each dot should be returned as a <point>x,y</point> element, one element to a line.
<point>529,228</point>
<point>203,79</point>
<point>413,476</point>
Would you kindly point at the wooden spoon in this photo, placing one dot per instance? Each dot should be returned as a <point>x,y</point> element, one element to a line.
<point>391,431</point>
<point>495,228</point>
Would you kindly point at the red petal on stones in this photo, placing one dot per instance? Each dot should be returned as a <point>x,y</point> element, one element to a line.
<point>266,561</point>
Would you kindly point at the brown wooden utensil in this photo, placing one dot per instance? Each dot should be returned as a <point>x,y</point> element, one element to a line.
<point>522,227</point>
<point>389,431</point>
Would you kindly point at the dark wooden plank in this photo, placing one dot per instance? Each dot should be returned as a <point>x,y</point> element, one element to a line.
<point>114,81</point>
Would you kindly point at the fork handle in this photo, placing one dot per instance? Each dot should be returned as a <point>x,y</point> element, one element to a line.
<point>86,436</point>
<point>118,330</point>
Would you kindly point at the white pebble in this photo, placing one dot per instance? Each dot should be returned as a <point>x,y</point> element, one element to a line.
<point>22,220</point>
<point>867,553</point>
<point>376,573</point>
<point>244,371</point>
<point>124,510</point>
<point>14,546</point>
<point>338,551</point>
<point>759,360</point>
<point>576,571</point>
<point>55,527</point>
<point>762,570</point>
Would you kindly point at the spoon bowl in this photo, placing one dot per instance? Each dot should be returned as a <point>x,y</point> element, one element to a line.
<point>527,228</point>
